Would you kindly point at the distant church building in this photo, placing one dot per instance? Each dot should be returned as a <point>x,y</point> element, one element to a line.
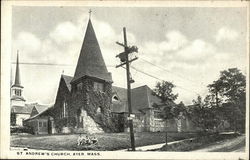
<point>20,111</point>
<point>17,89</point>
<point>88,103</point>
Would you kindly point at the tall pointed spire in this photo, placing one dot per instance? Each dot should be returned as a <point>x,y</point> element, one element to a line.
<point>16,89</point>
<point>17,77</point>
<point>90,62</point>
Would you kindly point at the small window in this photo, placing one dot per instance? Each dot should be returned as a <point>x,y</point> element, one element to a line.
<point>98,86</point>
<point>98,110</point>
<point>18,92</point>
<point>64,110</point>
<point>79,86</point>
<point>40,124</point>
<point>44,124</point>
<point>115,98</point>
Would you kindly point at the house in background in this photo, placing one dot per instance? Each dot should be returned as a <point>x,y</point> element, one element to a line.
<point>40,124</point>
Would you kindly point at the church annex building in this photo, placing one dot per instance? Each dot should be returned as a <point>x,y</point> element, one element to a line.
<point>89,103</point>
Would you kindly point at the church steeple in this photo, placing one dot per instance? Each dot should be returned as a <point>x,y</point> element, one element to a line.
<point>90,62</point>
<point>17,77</point>
<point>17,88</point>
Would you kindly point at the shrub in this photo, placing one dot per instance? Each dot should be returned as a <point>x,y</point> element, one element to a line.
<point>21,129</point>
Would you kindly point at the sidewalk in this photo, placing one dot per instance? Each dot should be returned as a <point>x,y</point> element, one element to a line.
<point>158,146</point>
<point>155,146</point>
<point>229,145</point>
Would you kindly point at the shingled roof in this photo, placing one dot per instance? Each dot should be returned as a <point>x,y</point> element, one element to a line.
<point>22,109</point>
<point>40,108</point>
<point>90,62</point>
<point>42,111</point>
<point>67,80</point>
<point>120,92</point>
<point>142,98</point>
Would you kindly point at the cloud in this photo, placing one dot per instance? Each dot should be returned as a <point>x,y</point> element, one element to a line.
<point>176,48</point>
<point>65,32</point>
<point>174,41</point>
<point>27,42</point>
<point>196,51</point>
<point>226,33</point>
<point>158,52</point>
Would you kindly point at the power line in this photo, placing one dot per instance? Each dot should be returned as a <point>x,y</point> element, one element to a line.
<point>71,65</point>
<point>50,64</point>
<point>44,64</point>
<point>168,71</point>
<point>162,79</point>
<point>146,73</point>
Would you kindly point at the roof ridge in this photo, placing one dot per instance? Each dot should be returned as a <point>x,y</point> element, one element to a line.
<point>149,104</point>
<point>64,75</point>
<point>139,87</point>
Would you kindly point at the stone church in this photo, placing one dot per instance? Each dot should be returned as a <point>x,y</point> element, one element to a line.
<point>89,103</point>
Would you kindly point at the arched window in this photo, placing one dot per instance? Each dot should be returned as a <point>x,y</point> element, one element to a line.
<point>98,86</point>
<point>115,98</point>
<point>18,92</point>
<point>64,111</point>
<point>99,110</point>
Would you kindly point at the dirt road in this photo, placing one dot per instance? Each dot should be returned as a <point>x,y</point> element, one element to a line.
<point>230,145</point>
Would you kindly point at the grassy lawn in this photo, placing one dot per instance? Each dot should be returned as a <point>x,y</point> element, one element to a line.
<point>107,141</point>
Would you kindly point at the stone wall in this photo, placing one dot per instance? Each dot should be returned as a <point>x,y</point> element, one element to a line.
<point>138,122</point>
<point>143,122</point>
<point>90,101</point>
<point>88,125</point>
<point>159,126</point>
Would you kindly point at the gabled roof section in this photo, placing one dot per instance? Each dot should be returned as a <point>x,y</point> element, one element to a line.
<point>64,84</point>
<point>142,98</point>
<point>40,108</point>
<point>43,112</point>
<point>67,80</point>
<point>17,98</point>
<point>21,109</point>
<point>121,92</point>
<point>90,62</point>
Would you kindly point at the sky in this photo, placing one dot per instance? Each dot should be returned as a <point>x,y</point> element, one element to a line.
<point>186,46</point>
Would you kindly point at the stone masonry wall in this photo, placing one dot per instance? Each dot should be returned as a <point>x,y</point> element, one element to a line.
<point>89,100</point>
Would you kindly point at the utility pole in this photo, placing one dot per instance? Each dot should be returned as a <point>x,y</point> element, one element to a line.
<point>124,57</point>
